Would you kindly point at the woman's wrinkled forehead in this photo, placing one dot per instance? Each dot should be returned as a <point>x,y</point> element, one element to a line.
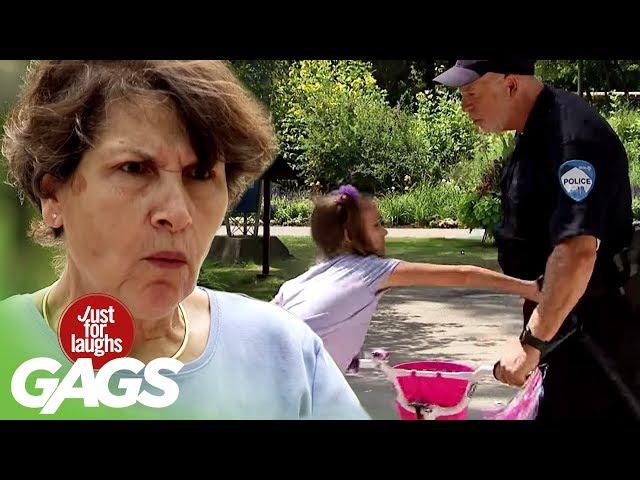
<point>146,124</point>
<point>152,108</point>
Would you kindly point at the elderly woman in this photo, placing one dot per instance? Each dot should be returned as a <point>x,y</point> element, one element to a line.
<point>133,165</point>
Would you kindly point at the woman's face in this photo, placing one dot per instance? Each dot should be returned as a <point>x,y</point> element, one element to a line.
<point>139,214</point>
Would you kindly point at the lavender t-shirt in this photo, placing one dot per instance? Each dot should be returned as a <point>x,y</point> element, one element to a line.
<point>337,299</point>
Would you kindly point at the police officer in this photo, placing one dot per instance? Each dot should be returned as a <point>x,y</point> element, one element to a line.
<point>566,211</point>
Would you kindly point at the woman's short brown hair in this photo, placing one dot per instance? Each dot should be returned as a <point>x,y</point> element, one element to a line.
<point>62,106</point>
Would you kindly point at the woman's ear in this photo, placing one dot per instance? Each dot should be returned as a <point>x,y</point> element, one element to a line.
<point>51,208</point>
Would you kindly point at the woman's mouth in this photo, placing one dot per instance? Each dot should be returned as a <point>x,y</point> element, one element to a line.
<point>168,259</point>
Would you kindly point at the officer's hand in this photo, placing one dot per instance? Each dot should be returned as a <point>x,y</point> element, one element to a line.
<point>516,363</point>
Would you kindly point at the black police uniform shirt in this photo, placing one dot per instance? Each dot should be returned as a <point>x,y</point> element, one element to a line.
<point>568,176</point>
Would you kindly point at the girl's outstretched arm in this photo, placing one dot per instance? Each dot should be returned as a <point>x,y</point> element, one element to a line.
<point>428,274</point>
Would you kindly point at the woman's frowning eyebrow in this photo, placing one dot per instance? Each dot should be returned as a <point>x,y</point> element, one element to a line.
<point>143,154</point>
<point>120,149</point>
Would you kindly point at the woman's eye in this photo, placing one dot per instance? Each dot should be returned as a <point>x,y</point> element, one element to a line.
<point>134,168</point>
<point>199,173</point>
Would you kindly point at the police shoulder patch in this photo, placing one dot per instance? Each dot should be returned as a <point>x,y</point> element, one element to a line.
<point>577,178</point>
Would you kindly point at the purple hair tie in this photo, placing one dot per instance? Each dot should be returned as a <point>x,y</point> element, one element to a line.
<point>349,191</point>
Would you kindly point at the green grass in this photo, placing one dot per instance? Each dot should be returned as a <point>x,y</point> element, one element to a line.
<point>443,250</point>
<point>242,278</point>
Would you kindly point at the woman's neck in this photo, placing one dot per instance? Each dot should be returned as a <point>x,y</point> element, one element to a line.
<point>154,337</point>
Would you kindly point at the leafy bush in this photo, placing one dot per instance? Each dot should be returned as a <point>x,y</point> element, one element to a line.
<point>291,209</point>
<point>625,120</point>
<point>480,211</point>
<point>450,135</point>
<point>635,208</point>
<point>481,206</point>
<point>423,205</point>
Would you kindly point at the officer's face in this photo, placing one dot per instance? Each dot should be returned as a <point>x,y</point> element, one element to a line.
<point>487,101</point>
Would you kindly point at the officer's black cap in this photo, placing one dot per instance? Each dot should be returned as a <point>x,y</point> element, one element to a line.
<point>467,71</point>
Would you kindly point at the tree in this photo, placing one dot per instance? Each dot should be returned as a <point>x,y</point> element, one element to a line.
<point>262,77</point>
<point>403,79</point>
<point>596,75</point>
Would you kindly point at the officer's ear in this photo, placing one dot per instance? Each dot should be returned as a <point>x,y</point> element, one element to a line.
<point>511,82</point>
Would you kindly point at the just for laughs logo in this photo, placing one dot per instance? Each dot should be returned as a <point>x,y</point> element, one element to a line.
<point>96,333</point>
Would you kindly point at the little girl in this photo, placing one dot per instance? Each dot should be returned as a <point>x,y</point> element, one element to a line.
<point>338,296</point>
